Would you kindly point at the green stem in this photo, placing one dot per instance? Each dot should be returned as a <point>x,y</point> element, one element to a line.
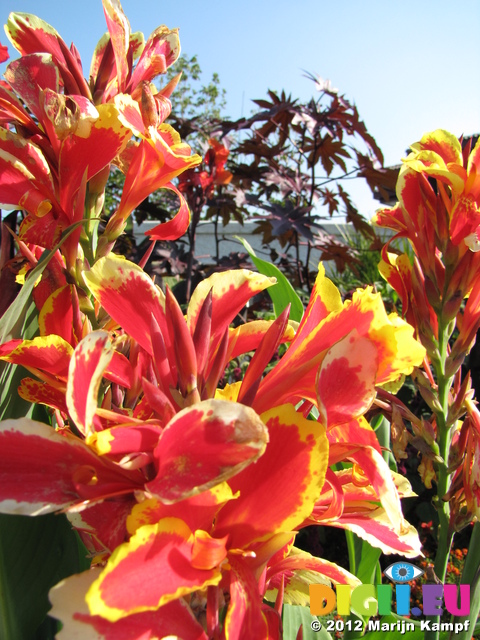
<point>352,560</point>
<point>445,533</point>
<point>471,576</point>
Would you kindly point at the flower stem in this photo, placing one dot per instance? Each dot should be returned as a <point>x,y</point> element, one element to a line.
<point>445,533</point>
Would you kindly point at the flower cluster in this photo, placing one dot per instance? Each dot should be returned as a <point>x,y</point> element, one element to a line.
<point>60,134</point>
<point>439,213</point>
<point>188,497</point>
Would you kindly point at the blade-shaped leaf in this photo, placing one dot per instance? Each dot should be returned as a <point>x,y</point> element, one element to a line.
<point>295,616</point>
<point>366,558</point>
<point>282,293</point>
<point>35,554</point>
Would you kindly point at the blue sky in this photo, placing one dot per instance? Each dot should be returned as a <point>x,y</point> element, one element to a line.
<point>409,66</point>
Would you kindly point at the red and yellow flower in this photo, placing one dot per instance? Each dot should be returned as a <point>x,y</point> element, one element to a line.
<point>172,457</point>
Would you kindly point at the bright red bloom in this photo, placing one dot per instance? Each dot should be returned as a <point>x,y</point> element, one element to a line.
<point>213,175</point>
<point>4,55</point>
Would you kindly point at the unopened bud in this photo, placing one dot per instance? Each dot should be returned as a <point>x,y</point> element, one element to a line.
<point>149,107</point>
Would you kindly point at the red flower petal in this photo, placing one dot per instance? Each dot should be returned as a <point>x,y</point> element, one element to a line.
<point>204,445</point>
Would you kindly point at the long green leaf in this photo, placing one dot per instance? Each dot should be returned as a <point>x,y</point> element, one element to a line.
<point>364,563</point>
<point>281,293</point>
<point>295,616</point>
<point>35,554</point>
<point>367,559</point>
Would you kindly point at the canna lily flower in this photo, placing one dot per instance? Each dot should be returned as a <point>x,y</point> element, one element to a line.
<point>438,155</point>
<point>213,175</point>
<point>146,457</point>
<point>226,519</point>
<point>438,190</point>
<point>439,197</point>
<point>371,336</point>
<point>354,341</point>
<point>121,62</point>
<point>248,524</point>
<point>46,173</point>
<point>70,371</point>
<point>150,164</point>
<point>71,132</point>
<point>112,71</point>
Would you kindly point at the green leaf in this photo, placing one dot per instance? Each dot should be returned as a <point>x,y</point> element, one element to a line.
<point>281,293</point>
<point>294,616</point>
<point>367,560</point>
<point>11,404</point>
<point>382,429</point>
<point>35,554</point>
<point>364,563</point>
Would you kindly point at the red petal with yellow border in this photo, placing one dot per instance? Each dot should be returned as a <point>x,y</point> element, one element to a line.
<point>376,528</point>
<point>87,365</point>
<point>152,569</point>
<point>56,315</point>
<point>120,370</point>
<point>69,606</point>
<point>245,618</point>
<point>279,491</point>
<point>125,440</point>
<point>31,486</point>
<point>346,380</point>
<point>247,337</point>
<point>91,148</point>
<point>231,290</point>
<point>45,353</point>
<point>38,392</point>
<point>294,376</point>
<point>204,445</point>
<point>198,512</point>
<point>129,296</point>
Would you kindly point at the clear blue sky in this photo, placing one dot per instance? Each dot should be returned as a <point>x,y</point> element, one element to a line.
<point>410,66</point>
